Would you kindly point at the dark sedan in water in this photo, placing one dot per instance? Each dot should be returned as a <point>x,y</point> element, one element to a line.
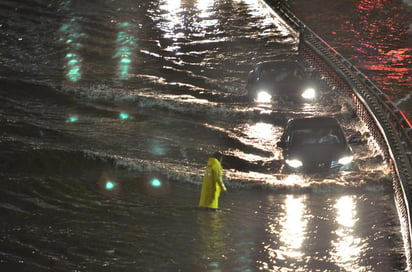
<point>281,79</point>
<point>315,144</point>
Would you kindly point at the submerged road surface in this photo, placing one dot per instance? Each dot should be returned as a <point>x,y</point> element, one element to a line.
<point>108,113</point>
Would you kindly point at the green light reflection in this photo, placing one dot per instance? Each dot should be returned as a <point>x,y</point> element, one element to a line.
<point>72,119</point>
<point>110,185</point>
<point>156,183</point>
<point>124,116</point>
<point>71,37</point>
<point>158,147</point>
<point>126,46</point>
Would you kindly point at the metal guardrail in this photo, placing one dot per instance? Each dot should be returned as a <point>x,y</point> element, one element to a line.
<point>387,124</point>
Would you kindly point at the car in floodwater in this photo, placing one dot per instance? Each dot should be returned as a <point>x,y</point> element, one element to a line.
<point>315,145</point>
<point>281,80</point>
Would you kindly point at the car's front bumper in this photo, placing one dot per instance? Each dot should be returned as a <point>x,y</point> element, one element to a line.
<point>318,167</point>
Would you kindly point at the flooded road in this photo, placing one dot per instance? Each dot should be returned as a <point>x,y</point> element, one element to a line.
<point>109,111</point>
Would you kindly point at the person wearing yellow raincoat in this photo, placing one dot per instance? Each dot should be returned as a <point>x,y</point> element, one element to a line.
<point>212,183</point>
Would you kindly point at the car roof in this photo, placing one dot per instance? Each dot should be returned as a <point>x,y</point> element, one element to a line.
<point>313,122</point>
<point>278,63</point>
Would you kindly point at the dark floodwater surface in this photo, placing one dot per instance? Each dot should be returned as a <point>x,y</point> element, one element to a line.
<point>376,36</point>
<point>108,113</point>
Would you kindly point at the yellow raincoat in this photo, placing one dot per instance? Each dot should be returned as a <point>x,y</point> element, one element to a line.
<point>212,184</point>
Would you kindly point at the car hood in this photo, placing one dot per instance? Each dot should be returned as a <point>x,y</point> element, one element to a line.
<point>319,152</point>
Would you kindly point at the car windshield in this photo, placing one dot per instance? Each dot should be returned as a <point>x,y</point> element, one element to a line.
<point>279,74</point>
<point>310,136</point>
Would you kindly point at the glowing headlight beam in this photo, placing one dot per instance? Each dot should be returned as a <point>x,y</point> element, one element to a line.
<point>309,93</point>
<point>345,160</point>
<point>263,97</point>
<point>294,163</point>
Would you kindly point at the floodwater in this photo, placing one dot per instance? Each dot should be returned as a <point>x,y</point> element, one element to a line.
<point>108,113</point>
<point>376,36</point>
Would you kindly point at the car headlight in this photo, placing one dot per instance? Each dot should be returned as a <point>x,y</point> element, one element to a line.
<point>294,163</point>
<point>309,93</point>
<point>263,97</point>
<point>345,160</point>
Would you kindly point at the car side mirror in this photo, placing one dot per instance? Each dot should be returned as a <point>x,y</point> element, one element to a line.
<point>281,144</point>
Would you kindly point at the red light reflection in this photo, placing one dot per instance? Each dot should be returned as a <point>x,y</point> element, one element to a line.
<point>381,30</point>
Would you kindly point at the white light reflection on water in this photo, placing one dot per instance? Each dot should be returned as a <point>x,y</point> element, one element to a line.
<point>204,5</point>
<point>171,6</point>
<point>212,246</point>
<point>279,181</point>
<point>293,226</point>
<point>268,18</point>
<point>261,135</point>
<point>206,19</point>
<point>178,21</point>
<point>262,130</point>
<point>171,10</point>
<point>288,228</point>
<point>346,248</point>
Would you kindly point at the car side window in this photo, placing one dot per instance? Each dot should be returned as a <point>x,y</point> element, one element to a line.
<point>328,136</point>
